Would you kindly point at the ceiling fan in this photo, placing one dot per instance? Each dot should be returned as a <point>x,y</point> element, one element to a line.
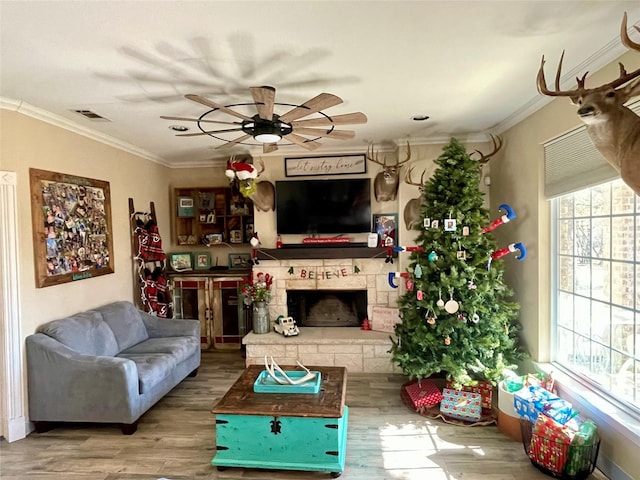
<point>268,128</point>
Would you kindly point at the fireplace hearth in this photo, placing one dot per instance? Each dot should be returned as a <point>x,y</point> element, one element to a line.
<point>327,308</point>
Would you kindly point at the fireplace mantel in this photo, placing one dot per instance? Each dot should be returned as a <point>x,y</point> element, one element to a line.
<point>321,251</point>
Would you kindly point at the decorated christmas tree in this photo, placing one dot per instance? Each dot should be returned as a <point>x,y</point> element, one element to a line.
<point>456,317</point>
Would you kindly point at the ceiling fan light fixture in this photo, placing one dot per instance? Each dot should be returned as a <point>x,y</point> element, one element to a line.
<point>267,137</point>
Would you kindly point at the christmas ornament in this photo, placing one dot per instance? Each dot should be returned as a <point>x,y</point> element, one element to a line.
<point>420,295</point>
<point>475,318</point>
<point>431,318</point>
<point>450,225</point>
<point>433,256</point>
<point>447,340</point>
<point>451,306</point>
<point>462,318</point>
<point>471,285</point>
<point>506,218</point>
<point>440,302</point>
<point>417,271</point>
<point>465,231</point>
<point>408,284</point>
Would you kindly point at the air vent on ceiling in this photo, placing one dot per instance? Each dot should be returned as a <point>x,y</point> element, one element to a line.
<point>92,115</point>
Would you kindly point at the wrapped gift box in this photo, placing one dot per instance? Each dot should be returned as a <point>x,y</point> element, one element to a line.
<point>423,393</point>
<point>531,401</point>
<point>461,405</point>
<point>550,444</point>
<point>484,388</point>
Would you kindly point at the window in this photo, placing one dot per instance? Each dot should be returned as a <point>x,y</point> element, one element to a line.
<point>596,288</point>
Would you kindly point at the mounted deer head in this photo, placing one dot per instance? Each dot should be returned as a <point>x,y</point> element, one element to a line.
<point>263,195</point>
<point>385,185</point>
<point>613,128</point>
<point>412,210</point>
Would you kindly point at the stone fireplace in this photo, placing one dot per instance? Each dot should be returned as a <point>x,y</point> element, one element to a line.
<point>344,291</point>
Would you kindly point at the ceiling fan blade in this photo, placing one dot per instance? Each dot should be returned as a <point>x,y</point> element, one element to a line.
<point>233,142</point>
<point>222,108</point>
<point>346,119</point>
<point>264,98</point>
<point>320,102</point>
<point>303,142</point>
<point>208,132</point>
<point>337,134</point>
<point>269,147</point>
<point>184,119</point>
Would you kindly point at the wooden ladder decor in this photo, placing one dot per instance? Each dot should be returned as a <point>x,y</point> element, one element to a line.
<point>152,291</point>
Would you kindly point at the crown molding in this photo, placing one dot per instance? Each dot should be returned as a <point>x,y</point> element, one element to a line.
<point>62,122</point>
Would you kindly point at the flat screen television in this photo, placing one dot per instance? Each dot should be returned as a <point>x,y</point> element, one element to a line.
<point>310,207</point>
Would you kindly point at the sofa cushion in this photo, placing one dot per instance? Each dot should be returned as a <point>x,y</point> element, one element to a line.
<point>85,333</point>
<point>125,322</point>
<point>180,348</point>
<point>153,368</point>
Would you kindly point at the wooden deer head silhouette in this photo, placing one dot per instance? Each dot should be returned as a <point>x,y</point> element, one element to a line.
<point>613,128</point>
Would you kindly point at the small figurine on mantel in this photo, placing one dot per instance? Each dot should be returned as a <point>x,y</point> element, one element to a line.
<point>286,326</point>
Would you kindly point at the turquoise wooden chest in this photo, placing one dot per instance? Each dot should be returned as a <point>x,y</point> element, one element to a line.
<point>283,431</point>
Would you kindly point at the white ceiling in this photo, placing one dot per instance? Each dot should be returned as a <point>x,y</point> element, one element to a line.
<point>469,65</point>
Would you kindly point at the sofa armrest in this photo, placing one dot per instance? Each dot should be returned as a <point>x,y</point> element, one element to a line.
<point>65,385</point>
<point>169,327</point>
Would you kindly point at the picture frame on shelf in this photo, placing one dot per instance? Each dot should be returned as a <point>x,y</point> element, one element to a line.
<point>239,261</point>
<point>180,262</point>
<point>202,260</point>
<point>235,236</point>
<point>386,226</point>
<point>186,207</point>
<point>212,239</point>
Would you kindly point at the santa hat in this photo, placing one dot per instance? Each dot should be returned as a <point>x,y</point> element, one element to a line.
<point>241,170</point>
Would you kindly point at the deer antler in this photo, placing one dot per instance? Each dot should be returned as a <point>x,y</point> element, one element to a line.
<point>623,78</point>
<point>407,177</point>
<point>497,145</point>
<point>374,157</point>
<point>260,166</point>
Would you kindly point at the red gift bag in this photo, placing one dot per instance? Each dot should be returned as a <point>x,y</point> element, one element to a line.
<point>423,393</point>
<point>484,388</point>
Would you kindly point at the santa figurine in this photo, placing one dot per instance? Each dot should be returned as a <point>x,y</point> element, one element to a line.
<point>255,243</point>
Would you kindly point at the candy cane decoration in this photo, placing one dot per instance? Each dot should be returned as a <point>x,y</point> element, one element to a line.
<point>506,218</point>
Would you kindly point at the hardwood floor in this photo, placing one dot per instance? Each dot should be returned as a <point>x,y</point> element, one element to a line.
<point>176,440</point>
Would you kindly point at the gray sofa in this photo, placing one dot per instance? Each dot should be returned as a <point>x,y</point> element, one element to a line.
<point>107,365</point>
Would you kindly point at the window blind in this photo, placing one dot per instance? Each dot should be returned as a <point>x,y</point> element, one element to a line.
<point>572,163</point>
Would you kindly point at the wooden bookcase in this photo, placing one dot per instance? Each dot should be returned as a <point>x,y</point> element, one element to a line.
<point>212,215</point>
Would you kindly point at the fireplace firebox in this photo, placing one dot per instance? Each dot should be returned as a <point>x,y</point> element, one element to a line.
<point>327,308</point>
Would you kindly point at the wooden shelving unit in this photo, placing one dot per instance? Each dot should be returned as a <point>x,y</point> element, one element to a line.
<point>212,215</point>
